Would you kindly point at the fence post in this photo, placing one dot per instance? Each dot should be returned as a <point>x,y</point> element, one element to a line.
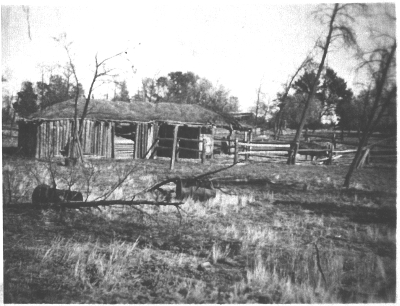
<point>177,150</point>
<point>172,164</point>
<point>212,141</point>
<point>235,159</point>
<point>306,135</point>
<point>330,154</point>
<point>247,140</point>
<point>203,152</point>
<point>250,140</point>
<point>334,140</point>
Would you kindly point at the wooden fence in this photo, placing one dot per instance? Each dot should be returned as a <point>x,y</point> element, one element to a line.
<point>152,152</point>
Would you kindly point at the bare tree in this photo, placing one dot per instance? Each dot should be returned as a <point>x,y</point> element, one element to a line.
<point>100,71</point>
<point>338,29</point>
<point>279,122</point>
<point>383,94</point>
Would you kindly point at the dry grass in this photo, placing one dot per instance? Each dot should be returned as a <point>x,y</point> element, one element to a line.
<point>260,242</point>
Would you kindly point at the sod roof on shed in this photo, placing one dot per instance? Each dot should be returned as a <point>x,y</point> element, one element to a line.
<point>134,111</point>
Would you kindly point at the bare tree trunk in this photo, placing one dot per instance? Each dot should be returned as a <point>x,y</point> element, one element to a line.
<point>279,121</point>
<point>371,123</point>
<point>296,140</point>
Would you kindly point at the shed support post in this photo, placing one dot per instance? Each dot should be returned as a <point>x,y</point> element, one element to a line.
<point>203,152</point>
<point>174,147</point>
<point>177,150</point>
<point>236,155</point>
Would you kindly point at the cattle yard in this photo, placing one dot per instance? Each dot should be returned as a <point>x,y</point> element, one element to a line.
<point>271,233</point>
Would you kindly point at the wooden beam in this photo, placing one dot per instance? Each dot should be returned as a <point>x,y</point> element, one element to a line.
<point>176,127</point>
<point>136,149</point>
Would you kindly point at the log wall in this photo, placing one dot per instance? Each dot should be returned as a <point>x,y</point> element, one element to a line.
<point>51,136</point>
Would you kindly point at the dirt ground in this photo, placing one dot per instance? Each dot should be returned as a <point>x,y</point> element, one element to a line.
<point>273,234</point>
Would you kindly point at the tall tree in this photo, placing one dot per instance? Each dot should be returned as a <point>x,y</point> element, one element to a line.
<point>123,94</point>
<point>333,91</point>
<point>283,97</point>
<point>26,101</point>
<point>339,16</point>
<point>380,62</point>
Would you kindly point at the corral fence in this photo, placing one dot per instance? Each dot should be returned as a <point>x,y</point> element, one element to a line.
<point>332,147</point>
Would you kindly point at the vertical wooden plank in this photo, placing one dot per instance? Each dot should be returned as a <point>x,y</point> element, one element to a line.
<point>42,138</point>
<point>106,128</point>
<point>101,143</point>
<point>90,137</point>
<point>67,133</point>
<point>144,133</point>
<point>93,138</point>
<point>94,145</point>
<point>172,164</point>
<point>212,141</point>
<point>47,139</point>
<point>57,140</point>
<point>199,145</point>
<point>62,134</point>
<point>87,140</point>
<point>112,140</point>
<point>177,150</point>
<point>83,140</point>
<point>52,139</point>
<point>108,137</point>
<point>38,130</point>
<point>156,130</point>
<point>136,149</point>
<point>44,125</point>
<point>105,136</point>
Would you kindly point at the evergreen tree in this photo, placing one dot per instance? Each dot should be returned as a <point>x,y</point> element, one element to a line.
<point>26,103</point>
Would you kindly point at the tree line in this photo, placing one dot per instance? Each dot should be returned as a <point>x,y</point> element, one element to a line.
<point>176,87</point>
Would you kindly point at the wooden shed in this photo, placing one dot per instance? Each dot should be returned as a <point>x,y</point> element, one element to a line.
<point>119,129</point>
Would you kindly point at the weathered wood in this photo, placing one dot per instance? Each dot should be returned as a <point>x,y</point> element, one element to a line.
<point>136,144</point>
<point>363,158</point>
<point>96,138</point>
<point>37,151</point>
<point>112,140</point>
<point>199,138</point>
<point>67,133</point>
<point>172,164</point>
<point>43,143</point>
<point>186,139</point>
<point>92,135</point>
<point>102,138</point>
<point>203,153</point>
<point>236,153</point>
<point>212,142</point>
<point>177,150</point>
<point>62,131</point>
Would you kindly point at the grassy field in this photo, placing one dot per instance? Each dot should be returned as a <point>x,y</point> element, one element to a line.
<point>286,234</point>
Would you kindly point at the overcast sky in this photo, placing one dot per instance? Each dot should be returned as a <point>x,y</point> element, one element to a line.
<point>238,44</point>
